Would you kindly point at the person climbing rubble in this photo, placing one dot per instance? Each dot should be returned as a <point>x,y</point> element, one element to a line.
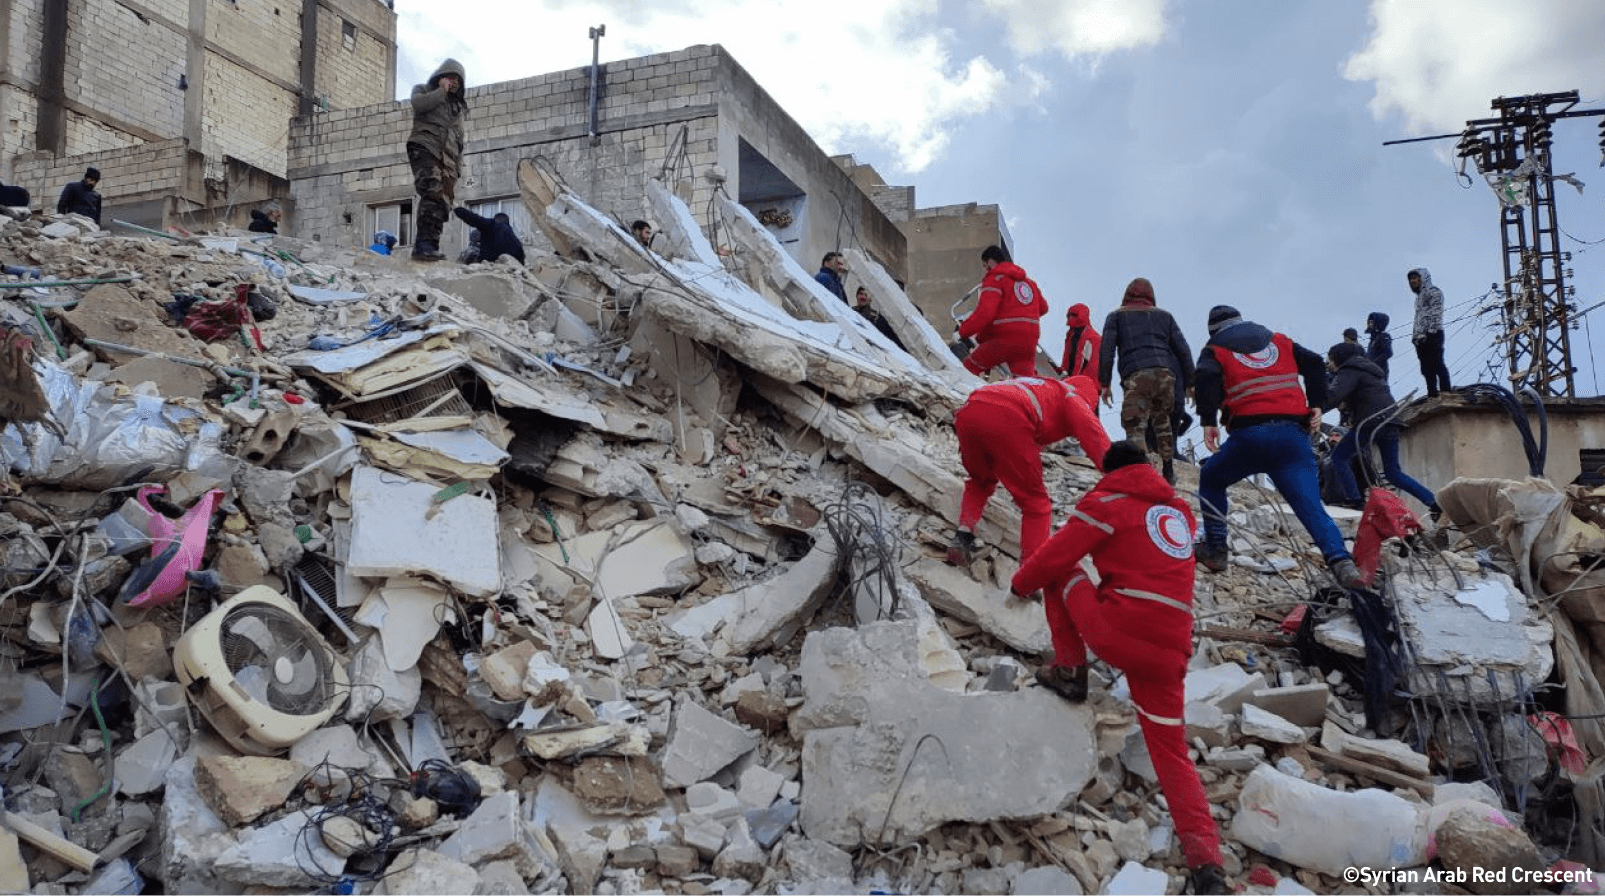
<point>496,236</point>
<point>1007,318</point>
<point>1002,429</point>
<point>80,197</point>
<point>1360,388</point>
<point>1138,619</point>
<point>1248,377</point>
<point>1150,348</point>
<point>1082,346</point>
<point>435,151</point>
<point>266,219</point>
<point>383,242</point>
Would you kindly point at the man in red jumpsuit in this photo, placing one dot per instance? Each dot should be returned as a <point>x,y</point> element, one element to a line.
<point>1007,318</point>
<point>1139,619</point>
<point>1002,428</point>
<point>1081,344</point>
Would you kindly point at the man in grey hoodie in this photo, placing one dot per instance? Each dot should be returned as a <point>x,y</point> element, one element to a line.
<point>1427,334</point>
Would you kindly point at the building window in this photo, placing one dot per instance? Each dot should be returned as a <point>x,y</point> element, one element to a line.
<point>348,34</point>
<point>396,218</point>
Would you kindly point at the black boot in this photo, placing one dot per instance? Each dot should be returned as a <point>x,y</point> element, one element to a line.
<point>1169,471</point>
<point>1208,879</point>
<point>962,549</point>
<point>426,250</point>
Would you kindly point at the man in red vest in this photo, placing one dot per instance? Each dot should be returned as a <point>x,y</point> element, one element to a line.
<point>1007,318</point>
<point>1002,428</point>
<point>1138,619</point>
<point>1249,376</point>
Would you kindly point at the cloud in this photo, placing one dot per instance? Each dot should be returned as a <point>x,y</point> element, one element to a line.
<point>1076,28</point>
<point>882,76</point>
<point>1439,64</point>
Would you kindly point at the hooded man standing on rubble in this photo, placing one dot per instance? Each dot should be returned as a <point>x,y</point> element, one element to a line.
<point>435,151</point>
<point>1427,331</point>
<point>1007,321</point>
<point>1249,376</point>
<point>1082,347</point>
<point>1138,619</point>
<point>1151,348</point>
<point>1002,429</point>
<point>1379,344</point>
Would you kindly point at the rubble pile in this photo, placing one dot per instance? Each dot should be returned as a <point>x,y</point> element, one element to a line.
<point>623,573</point>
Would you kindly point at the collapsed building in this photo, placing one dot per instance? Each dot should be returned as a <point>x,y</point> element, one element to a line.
<point>623,572</point>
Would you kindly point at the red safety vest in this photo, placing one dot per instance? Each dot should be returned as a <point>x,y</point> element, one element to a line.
<point>1263,382</point>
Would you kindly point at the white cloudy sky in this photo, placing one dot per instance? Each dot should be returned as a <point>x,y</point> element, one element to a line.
<point>1231,152</point>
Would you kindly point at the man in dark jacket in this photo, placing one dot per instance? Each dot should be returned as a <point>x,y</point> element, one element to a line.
<point>496,236</point>
<point>1359,387</point>
<point>867,309</point>
<point>435,151</point>
<point>831,269</point>
<point>266,219</point>
<point>1250,376</point>
<point>1379,345</point>
<point>1138,618</point>
<point>80,198</point>
<point>1150,347</point>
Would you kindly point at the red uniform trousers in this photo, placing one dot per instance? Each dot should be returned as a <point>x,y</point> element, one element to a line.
<point>997,443</point>
<point>1011,344</point>
<point>1078,619</point>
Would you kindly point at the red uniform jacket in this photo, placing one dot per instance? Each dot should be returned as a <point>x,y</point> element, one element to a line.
<point>1264,382</point>
<point>1059,409</point>
<point>1139,535</point>
<point>1081,344</point>
<point>1008,297</point>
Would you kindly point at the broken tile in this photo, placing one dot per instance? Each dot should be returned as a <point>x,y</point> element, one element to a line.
<point>700,744</point>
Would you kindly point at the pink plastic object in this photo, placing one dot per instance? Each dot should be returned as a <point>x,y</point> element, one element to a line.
<point>1385,517</point>
<point>190,530</point>
<point>1558,733</point>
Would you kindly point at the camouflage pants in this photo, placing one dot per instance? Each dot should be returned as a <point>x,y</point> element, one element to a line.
<point>435,190</point>
<point>1149,397</point>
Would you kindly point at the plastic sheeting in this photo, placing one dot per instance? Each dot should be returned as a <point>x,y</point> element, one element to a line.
<point>112,436</point>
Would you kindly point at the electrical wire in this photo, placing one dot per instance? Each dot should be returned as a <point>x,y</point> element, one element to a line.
<point>863,542</point>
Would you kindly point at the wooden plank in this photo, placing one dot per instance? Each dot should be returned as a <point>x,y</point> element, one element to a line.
<point>59,847</point>
<point>1367,770</point>
<point>1247,636</point>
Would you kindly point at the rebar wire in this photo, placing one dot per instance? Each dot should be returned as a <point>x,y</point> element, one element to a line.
<point>861,537</point>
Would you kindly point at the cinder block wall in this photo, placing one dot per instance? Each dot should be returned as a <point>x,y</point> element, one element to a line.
<point>133,174</point>
<point>341,163</point>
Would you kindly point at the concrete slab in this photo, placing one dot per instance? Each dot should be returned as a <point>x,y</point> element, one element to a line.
<point>241,789</point>
<point>192,835</point>
<point>397,529</point>
<point>275,855</point>
<point>639,557</point>
<point>1303,705</point>
<point>701,744</point>
<point>763,609</point>
<point>425,871</point>
<point>1256,722</point>
<point>1017,623</point>
<point>882,746</point>
<point>1226,685</point>
<point>142,765</point>
<point>379,692</point>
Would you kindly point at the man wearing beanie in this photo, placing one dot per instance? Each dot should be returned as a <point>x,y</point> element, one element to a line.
<point>1249,377</point>
<point>80,198</point>
<point>1151,349</point>
<point>1002,428</point>
<point>1138,619</point>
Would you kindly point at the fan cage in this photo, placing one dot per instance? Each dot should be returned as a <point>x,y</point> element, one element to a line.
<point>259,642</point>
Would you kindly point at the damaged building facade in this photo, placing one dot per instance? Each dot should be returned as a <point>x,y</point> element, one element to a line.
<point>623,572</point>
<point>183,106</point>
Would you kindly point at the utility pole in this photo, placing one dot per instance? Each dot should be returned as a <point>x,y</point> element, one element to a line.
<point>1512,152</point>
<point>596,55</point>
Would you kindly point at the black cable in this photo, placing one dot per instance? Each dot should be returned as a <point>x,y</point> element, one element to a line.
<point>859,533</point>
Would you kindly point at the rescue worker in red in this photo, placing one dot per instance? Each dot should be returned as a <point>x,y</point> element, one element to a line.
<point>1138,619</point>
<point>1081,344</point>
<point>1007,318</point>
<point>1002,429</point>
<point>1249,376</point>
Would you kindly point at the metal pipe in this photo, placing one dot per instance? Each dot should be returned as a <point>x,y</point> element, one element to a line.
<point>49,284</point>
<point>596,52</point>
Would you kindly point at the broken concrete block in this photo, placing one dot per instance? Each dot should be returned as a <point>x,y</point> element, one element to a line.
<point>866,697</point>
<point>705,835</point>
<point>408,612</point>
<point>13,871</point>
<point>763,711</point>
<point>504,670</point>
<point>1470,842</point>
<point>1208,723</point>
<point>621,738</point>
<point>73,776</point>
<point>398,529</point>
<point>1303,705</point>
<point>639,557</point>
<point>1236,760</point>
<point>1130,839</point>
<point>680,861</point>
<point>418,872</point>
<point>819,865</point>
<point>1385,752</point>
<point>1225,685</point>
<point>612,785</point>
<point>1256,722</point>
<point>142,651</point>
<point>1046,879</point>
<point>700,744</point>
<point>609,637</point>
<point>241,789</point>
<point>1134,880</point>
<point>379,692</point>
<point>1017,623</point>
<point>496,830</point>
<point>757,787</point>
<point>501,879</point>
<point>345,836</point>
<point>769,824</point>
<point>581,856</point>
<point>741,857</point>
<point>709,800</point>
<point>339,746</point>
<point>768,607</point>
<point>142,766</point>
<point>192,835</point>
<point>275,855</point>
<point>1327,830</point>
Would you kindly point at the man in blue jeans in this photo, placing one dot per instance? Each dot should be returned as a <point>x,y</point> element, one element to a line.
<point>1249,376</point>
<point>1359,387</point>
